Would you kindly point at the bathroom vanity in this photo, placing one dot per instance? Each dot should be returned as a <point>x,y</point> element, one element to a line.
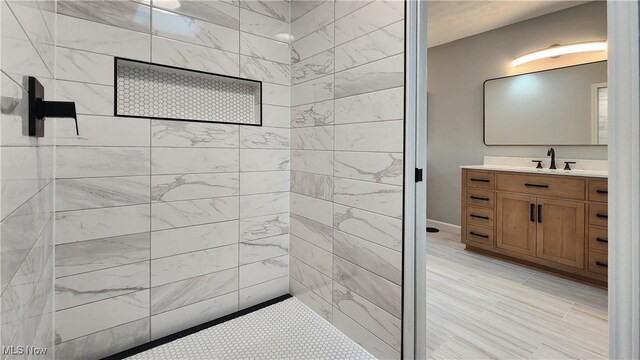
<point>554,219</point>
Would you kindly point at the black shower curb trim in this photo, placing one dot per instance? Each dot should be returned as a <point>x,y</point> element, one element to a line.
<point>192,330</point>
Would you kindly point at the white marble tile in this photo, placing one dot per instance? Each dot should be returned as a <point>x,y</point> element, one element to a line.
<point>312,138</point>
<point>313,185</point>
<point>36,30</point>
<point>314,209</point>
<point>314,256</point>
<point>264,227</point>
<point>312,161</point>
<point>192,290</point>
<point>312,68</point>
<point>85,256</point>
<point>101,315</point>
<point>187,29</point>
<point>299,8</point>
<point>310,299</point>
<point>263,249</point>
<point>184,266</point>
<point>260,293</point>
<point>364,337</point>
<point>106,342</point>
<point>312,91</point>
<point>382,324</point>
<point>217,12</point>
<point>194,160</point>
<point>376,45</point>
<point>194,57</point>
<point>310,278</point>
<point>84,66</point>
<point>371,17</point>
<point>264,70</point>
<point>383,136</point>
<point>368,255</point>
<point>346,7</point>
<point>262,25</point>
<point>194,186</point>
<point>264,48</point>
<point>315,114</point>
<point>374,76</point>
<point>76,161</point>
<point>313,20</point>
<point>263,160</point>
<point>276,116</point>
<point>90,99</point>
<point>274,94</point>
<point>312,44</point>
<point>379,198</point>
<point>103,284</point>
<point>169,215</point>
<point>372,287</point>
<point>82,225</point>
<point>90,36</point>
<point>193,134</point>
<point>193,238</point>
<point>263,204</point>
<point>122,14</point>
<point>369,107</point>
<point>384,168</point>
<point>265,270</point>
<point>313,232</point>
<point>380,229</point>
<point>264,182</point>
<point>260,137</point>
<point>91,193</point>
<point>185,317</point>
<point>278,9</point>
<point>103,131</point>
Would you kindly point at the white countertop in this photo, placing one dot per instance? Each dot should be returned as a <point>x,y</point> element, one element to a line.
<point>533,170</point>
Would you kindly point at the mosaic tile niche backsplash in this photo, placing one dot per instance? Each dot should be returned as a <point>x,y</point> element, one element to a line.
<point>155,91</point>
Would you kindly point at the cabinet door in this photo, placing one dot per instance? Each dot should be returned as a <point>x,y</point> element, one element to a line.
<point>560,232</point>
<point>516,223</point>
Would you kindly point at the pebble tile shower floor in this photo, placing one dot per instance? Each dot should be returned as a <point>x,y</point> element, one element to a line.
<point>285,330</point>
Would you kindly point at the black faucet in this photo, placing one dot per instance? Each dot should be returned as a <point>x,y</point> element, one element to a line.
<point>552,153</point>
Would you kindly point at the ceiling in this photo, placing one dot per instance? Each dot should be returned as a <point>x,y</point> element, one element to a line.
<point>451,20</point>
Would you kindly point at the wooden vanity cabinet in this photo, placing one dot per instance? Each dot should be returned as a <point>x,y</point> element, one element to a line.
<point>556,222</point>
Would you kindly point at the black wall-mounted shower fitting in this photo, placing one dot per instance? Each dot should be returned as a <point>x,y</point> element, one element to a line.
<point>39,109</point>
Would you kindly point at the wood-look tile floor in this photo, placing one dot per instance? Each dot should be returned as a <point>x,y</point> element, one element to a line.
<point>479,307</point>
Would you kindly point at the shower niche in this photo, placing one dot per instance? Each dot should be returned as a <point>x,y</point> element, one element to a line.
<point>152,91</point>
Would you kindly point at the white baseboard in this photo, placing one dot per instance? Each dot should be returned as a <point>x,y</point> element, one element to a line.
<point>443,226</point>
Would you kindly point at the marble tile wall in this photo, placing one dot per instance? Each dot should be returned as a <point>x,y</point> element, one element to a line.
<point>347,120</point>
<point>162,225</point>
<point>27,46</point>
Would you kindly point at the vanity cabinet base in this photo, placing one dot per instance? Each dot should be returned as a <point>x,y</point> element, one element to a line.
<point>557,223</point>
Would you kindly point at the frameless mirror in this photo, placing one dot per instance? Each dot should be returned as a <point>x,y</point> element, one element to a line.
<point>564,106</point>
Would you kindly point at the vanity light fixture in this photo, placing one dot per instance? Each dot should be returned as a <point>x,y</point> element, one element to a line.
<point>559,50</point>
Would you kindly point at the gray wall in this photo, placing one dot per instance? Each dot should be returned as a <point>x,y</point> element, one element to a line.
<point>346,161</point>
<point>457,71</point>
<point>26,180</point>
<point>163,225</point>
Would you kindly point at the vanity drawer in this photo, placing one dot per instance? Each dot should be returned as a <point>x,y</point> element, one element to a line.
<point>553,186</point>
<point>598,262</point>
<point>598,190</point>
<point>481,179</point>
<point>598,214</point>
<point>480,198</point>
<point>479,234</point>
<point>598,239</point>
<point>480,216</point>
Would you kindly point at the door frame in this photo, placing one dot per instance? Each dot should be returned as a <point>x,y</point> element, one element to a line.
<point>624,179</point>
<point>414,302</point>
